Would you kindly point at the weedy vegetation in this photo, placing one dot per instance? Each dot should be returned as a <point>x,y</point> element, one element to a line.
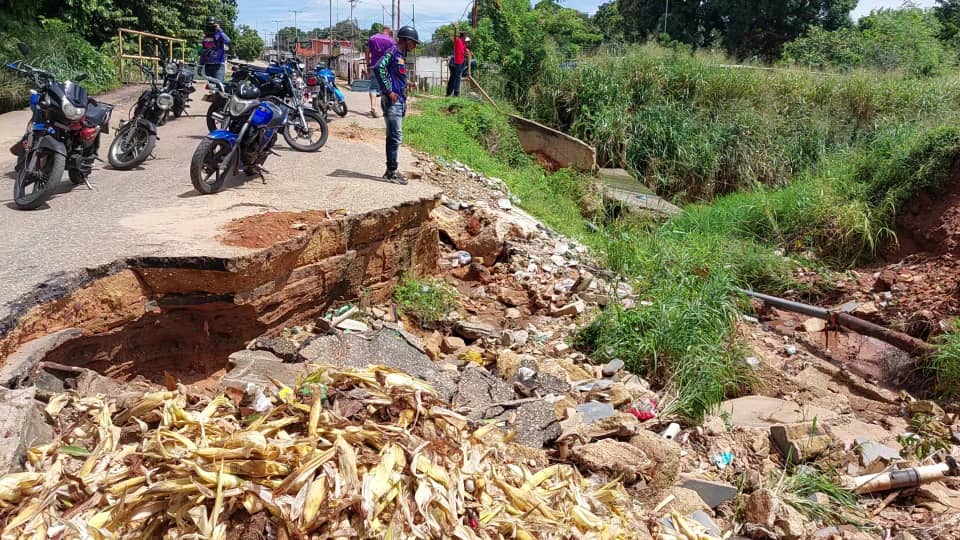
<point>426,300</point>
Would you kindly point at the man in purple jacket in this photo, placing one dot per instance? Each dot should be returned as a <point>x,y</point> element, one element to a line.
<point>213,55</point>
<point>391,75</point>
<point>377,46</point>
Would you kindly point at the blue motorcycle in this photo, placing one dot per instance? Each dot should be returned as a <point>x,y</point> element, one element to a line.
<point>327,96</point>
<point>247,138</point>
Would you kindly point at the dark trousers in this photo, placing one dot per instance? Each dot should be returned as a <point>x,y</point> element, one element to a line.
<point>216,71</point>
<point>393,116</point>
<point>453,84</point>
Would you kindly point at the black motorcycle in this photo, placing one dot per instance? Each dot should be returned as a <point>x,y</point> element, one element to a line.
<point>178,81</point>
<point>306,129</point>
<point>64,133</point>
<point>136,138</point>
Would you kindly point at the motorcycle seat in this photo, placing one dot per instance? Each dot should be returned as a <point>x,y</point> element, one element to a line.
<point>98,114</point>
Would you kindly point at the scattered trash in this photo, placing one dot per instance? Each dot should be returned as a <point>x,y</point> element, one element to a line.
<point>671,432</point>
<point>721,459</point>
<point>644,410</point>
<point>460,258</point>
<point>791,350</point>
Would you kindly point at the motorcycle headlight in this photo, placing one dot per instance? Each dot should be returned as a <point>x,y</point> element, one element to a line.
<point>170,67</point>
<point>164,101</point>
<point>72,112</point>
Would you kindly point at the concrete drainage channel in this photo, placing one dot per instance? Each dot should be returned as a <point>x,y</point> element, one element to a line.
<point>151,317</point>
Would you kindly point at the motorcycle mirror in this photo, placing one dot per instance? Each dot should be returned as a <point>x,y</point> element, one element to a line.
<point>24,49</point>
<point>80,77</point>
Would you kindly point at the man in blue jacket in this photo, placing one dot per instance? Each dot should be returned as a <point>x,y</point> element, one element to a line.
<point>391,74</point>
<point>213,55</point>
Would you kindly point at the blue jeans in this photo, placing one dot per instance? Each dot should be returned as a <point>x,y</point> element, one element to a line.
<point>216,71</point>
<point>393,116</point>
<point>453,83</point>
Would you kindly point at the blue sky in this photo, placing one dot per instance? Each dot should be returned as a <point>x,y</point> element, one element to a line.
<point>429,13</point>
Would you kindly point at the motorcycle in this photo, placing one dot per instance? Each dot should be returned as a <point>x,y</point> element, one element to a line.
<point>63,134</point>
<point>136,138</point>
<point>327,96</point>
<point>178,81</point>
<point>306,129</point>
<point>246,140</point>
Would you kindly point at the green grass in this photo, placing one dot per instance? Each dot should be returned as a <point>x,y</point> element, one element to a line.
<point>426,300</point>
<point>683,336</point>
<point>944,365</point>
<point>842,505</point>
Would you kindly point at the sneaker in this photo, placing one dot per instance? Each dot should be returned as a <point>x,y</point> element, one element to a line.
<point>373,113</point>
<point>395,177</point>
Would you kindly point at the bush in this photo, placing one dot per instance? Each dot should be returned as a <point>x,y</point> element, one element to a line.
<point>55,48</point>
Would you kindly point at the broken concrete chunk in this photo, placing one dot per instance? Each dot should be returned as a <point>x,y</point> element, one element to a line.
<point>664,454</point>
<point>571,309</point>
<point>353,325</point>
<point>383,347</point>
<point>612,459</point>
<point>478,392</point>
<point>814,325</point>
<point>257,368</point>
<point>535,424</point>
<point>18,366</point>
<point>474,330</point>
<point>762,508</point>
<point>583,281</point>
<point>871,451</point>
<point>594,410</point>
<point>284,348</point>
<point>22,426</point>
<point>704,519</point>
<point>763,412</point>
<point>451,344</point>
<point>513,297</point>
<point>925,407</point>
<point>714,493</point>
<point>800,442</point>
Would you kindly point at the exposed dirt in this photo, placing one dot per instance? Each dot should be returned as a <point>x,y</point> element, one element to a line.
<point>546,162</point>
<point>354,132</point>
<point>930,223</point>
<point>269,228</point>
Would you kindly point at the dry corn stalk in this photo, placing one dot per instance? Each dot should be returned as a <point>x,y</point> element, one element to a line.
<point>403,466</point>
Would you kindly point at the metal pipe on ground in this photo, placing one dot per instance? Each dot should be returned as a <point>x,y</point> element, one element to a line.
<point>905,478</point>
<point>904,342</point>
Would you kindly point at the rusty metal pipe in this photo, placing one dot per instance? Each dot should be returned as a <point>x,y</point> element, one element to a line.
<point>904,342</point>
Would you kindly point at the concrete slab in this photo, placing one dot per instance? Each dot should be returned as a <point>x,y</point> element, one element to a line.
<point>154,211</point>
<point>621,186</point>
<point>764,412</point>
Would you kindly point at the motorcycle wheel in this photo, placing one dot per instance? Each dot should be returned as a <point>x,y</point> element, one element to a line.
<point>208,168</point>
<point>35,182</point>
<point>215,107</point>
<point>179,106</point>
<point>314,133</point>
<point>136,151</point>
<point>340,108</point>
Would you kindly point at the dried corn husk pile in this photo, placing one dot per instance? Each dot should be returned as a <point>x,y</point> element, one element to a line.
<point>355,454</point>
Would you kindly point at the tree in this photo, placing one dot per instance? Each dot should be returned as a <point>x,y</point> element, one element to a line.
<point>948,13</point>
<point>608,20</point>
<point>570,30</point>
<point>685,20</point>
<point>248,45</point>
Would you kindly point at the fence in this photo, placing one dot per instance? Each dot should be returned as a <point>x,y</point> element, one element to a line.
<point>166,42</point>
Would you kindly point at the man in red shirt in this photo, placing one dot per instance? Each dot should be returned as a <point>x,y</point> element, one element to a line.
<point>459,61</point>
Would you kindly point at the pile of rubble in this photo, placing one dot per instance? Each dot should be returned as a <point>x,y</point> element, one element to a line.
<point>505,394</point>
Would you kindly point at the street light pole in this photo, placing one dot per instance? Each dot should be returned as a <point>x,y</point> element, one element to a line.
<point>666,13</point>
<point>276,38</point>
<point>296,29</point>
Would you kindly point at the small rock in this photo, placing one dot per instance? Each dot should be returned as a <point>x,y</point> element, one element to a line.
<point>451,344</point>
<point>474,330</point>
<point>513,297</point>
<point>800,442</point>
<point>284,348</point>
<point>762,507</point>
<point>512,313</point>
<point>452,204</point>
<point>508,364</point>
<point>432,345</point>
<point>612,367</point>
<point>564,285</point>
<point>561,348</point>
<point>819,498</point>
<point>558,260</point>
<point>594,410</point>
<point>520,337</point>
<point>583,282</point>
<point>866,309</point>
<point>790,350</point>
<point>22,426</point>
<point>704,519</point>
<point>814,325</point>
<point>353,325</point>
<point>505,204</point>
<point>574,308</point>
<point>714,425</point>
<point>885,280</point>
<point>378,312</point>
<point>925,407</point>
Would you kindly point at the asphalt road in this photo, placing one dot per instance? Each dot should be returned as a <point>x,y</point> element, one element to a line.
<point>154,210</point>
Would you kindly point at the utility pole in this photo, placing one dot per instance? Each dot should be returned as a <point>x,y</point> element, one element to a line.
<point>276,38</point>
<point>330,30</point>
<point>398,13</point>
<point>353,26</point>
<point>393,15</point>
<point>666,13</point>
<point>474,14</point>
<point>296,29</point>
<point>413,13</point>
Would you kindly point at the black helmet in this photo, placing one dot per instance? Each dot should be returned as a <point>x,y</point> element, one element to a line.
<point>409,33</point>
<point>248,91</point>
<point>211,20</point>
